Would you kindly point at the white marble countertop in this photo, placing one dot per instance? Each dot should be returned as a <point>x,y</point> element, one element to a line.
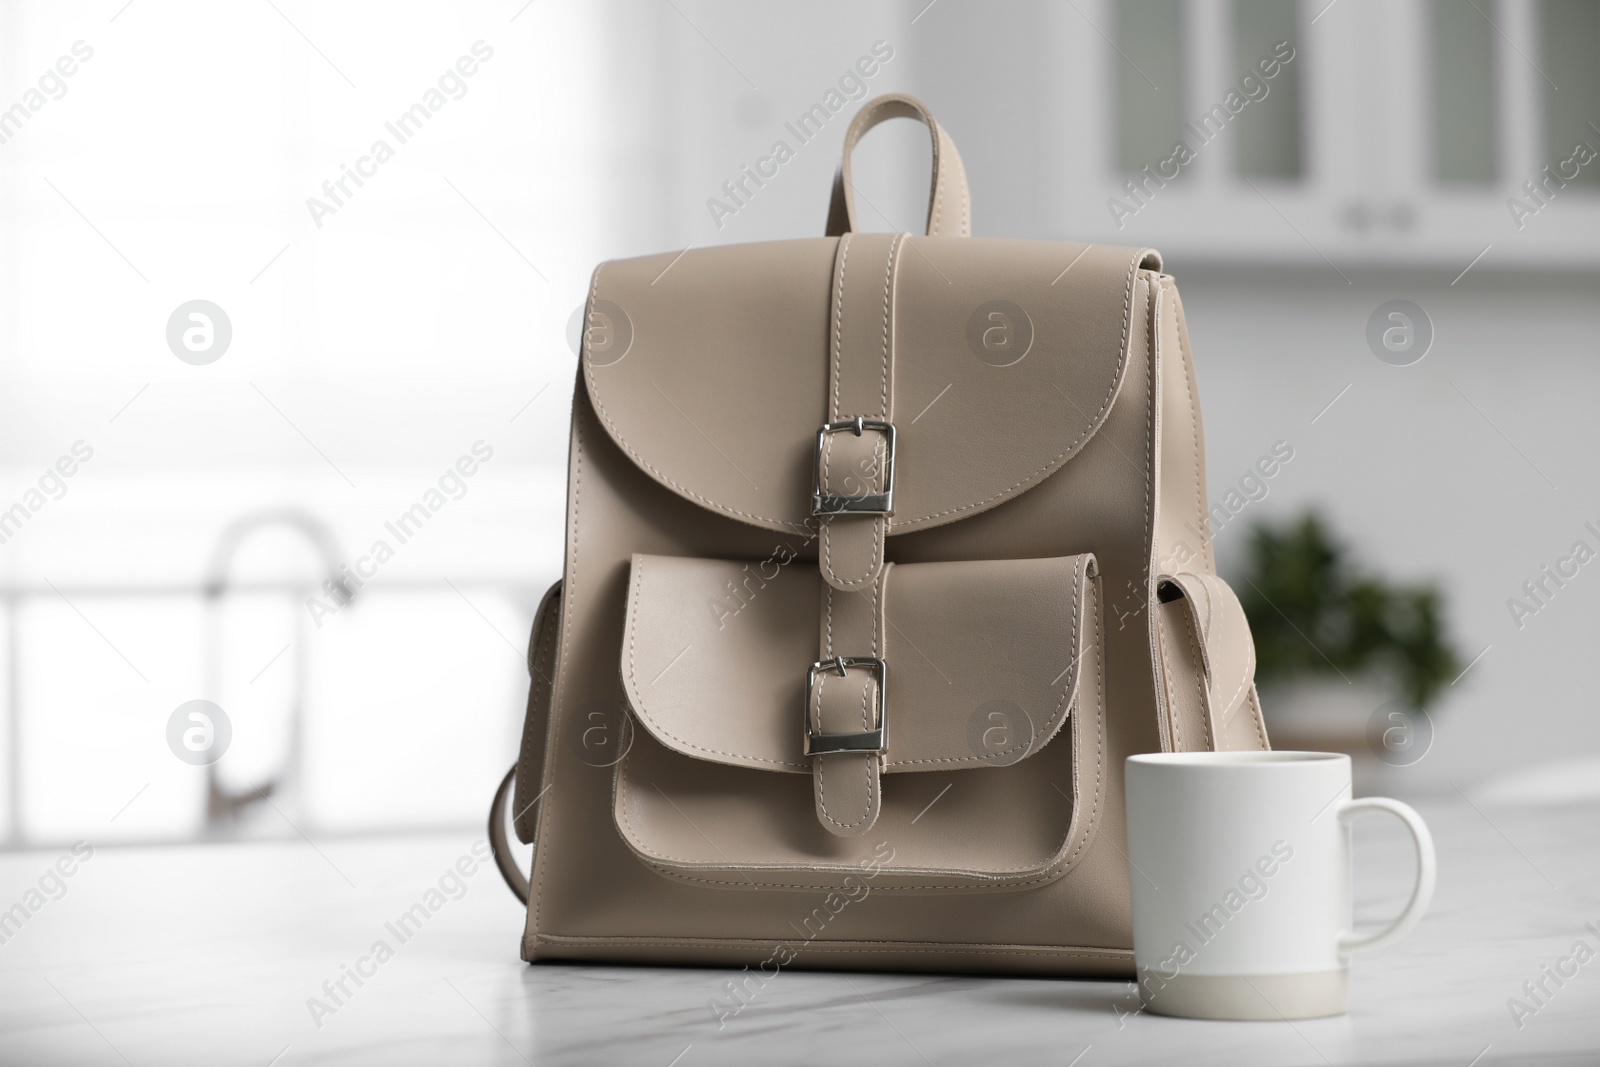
<point>209,955</point>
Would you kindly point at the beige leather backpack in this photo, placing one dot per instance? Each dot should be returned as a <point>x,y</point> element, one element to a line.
<point>883,551</point>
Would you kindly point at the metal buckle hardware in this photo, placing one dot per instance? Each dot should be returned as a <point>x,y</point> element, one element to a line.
<point>866,741</point>
<point>863,503</point>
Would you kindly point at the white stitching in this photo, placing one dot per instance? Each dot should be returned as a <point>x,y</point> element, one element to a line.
<point>822,795</point>
<point>1099,741</point>
<point>616,435</point>
<point>1202,517</point>
<point>1166,684</point>
<point>1249,663</point>
<point>1152,399</point>
<point>888,287</point>
<point>833,404</point>
<point>1261,731</point>
<point>1206,711</point>
<point>838,320</point>
<point>828,589</point>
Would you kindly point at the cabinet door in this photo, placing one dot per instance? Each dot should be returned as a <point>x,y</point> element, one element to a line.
<point>1331,132</point>
<point>1502,91</point>
<point>1201,138</point>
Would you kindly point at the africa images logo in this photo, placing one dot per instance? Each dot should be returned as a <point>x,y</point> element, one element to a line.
<point>199,732</point>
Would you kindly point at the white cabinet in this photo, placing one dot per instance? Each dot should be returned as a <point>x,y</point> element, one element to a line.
<point>1397,133</point>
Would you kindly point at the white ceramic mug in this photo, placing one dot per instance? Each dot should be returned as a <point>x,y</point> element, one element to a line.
<point>1240,866</point>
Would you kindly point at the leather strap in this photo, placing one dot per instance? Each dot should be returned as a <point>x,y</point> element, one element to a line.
<point>852,464</point>
<point>527,773</point>
<point>1209,665</point>
<point>499,846</point>
<point>861,384</point>
<point>849,792</point>
<point>949,202</point>
<point>536,722</point>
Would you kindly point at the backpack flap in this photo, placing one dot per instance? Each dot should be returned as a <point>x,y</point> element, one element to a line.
<point>715,369</point>
<point>983,671</point>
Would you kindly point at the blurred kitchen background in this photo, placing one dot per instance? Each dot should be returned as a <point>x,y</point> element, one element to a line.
<point>433,307</point>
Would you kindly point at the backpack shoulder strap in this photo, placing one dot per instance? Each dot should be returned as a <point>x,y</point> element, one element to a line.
<point>528,773</point>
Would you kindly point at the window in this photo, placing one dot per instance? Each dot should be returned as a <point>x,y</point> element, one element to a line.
<point>158,158</point>
<point>1262,116</point>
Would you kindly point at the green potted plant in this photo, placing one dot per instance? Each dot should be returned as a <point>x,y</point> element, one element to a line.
<point>1335,642</point>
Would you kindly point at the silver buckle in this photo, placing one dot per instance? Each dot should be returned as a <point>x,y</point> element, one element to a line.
<point>864,503</point>
<point>865,741</point>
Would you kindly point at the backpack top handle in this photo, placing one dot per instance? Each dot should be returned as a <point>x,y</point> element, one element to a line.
<point>949,203</point>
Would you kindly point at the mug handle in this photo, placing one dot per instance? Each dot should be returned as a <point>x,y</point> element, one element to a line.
<point>1427,872</point>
